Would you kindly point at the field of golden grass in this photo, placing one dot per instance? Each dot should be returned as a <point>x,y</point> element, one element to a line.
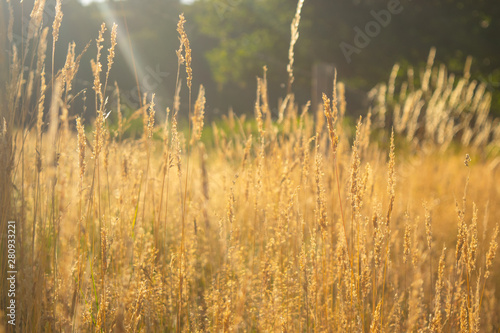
<point>292,221</point>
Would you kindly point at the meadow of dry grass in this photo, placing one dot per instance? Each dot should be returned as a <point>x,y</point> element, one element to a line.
<point>290,222</point>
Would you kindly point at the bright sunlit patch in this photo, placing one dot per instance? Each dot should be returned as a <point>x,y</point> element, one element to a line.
<point>126,47</point>
<point>86,2</point>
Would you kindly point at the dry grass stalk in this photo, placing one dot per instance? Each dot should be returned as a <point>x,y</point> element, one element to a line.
<point>111,52</point>
<point>391,179</point>
<point>36,17</point>
<point>56,25</point>
<point>187,49</point>
<point>428,226</point>
<point>198,116</point>
<point>330,110</point>
<point>97,69</point>
<point>407,242</point>
<point>42,49</point>
<point>294,37</point>
<point>436,324</point>
<point>41,102</point>
<point>82,144</point>
<point>443,109</point>
<point>492,250</point>
<point>150,118</point>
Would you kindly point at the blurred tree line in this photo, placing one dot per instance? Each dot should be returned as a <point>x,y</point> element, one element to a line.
<point>233,39</point>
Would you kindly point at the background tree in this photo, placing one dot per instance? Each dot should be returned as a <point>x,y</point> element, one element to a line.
<point>247,34</point>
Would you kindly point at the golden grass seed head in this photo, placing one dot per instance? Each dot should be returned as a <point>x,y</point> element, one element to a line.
<point>258,109</point>
<point>151,117</point>
<point>467,160</point>
<point>56,25</point>
<point>391,177</point>
<point>392,81</point>
<point>41,102</point>
<point>176,146</point>
<point>246,152</point>
<point>355,178</point>
<point>97,67</point>
<point>55,106</point>
<point>82,144</point>
<point>464,313</point>
<point>468,64</point>
<point>492,250</point>
<point>265,99</point>
<point>104,249</point>
<point>436,324</point>
<point>341,98</point>
<point>476,320</point>
<point>36,17</point>
<point>403,92</point>
<point>428,225</point>
<point>472,248</point>
<point>111,50</point>
<point>320,210</point>
<point>72,65</point>
<point>177,100</point>
<point>69,67</point>
<point>364,140</point>
<point>187,49</point>
<point>96,70</point>
<point>428,69</point>
<point>100,39</point>
<point>377,246</point>
<point>375,325</point>
<point>293,40</point>
<point>41,52</point>
<point>407,242</point>
<point>330,111</point>
<point>198,116</point>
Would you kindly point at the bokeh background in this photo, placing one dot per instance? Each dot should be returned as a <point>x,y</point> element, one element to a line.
<point>233,39</point>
